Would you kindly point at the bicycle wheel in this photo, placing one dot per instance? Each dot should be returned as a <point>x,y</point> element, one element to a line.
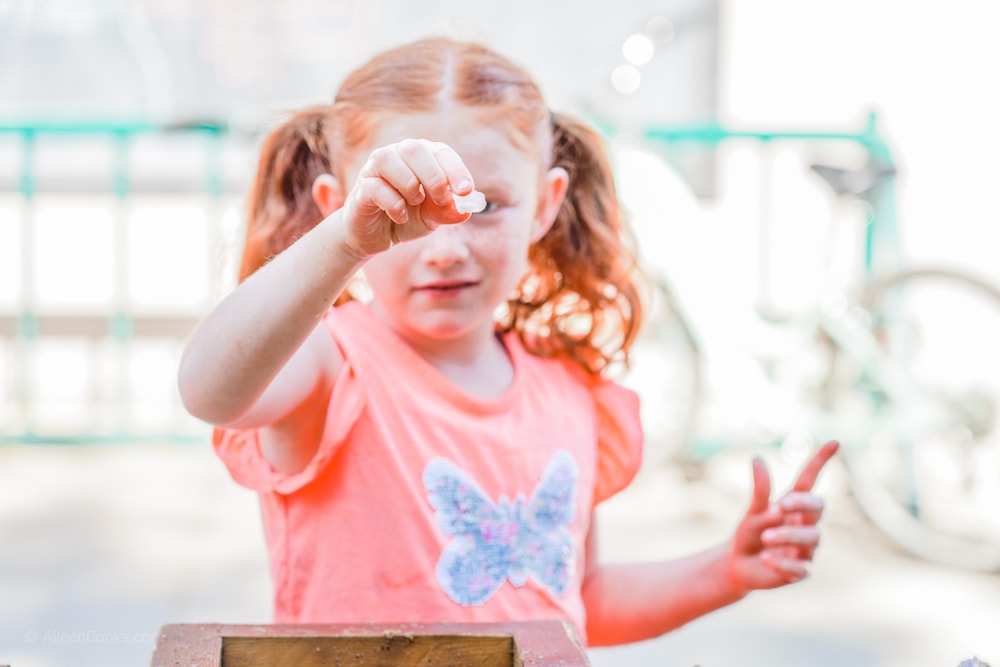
<point>666,373</point>
<point>925,403</point>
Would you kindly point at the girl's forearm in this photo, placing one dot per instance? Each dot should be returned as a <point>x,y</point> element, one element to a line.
<point>629,602</point>
<point>239,348</point>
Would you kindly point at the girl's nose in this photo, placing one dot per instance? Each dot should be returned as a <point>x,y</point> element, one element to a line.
<point>445,246</point>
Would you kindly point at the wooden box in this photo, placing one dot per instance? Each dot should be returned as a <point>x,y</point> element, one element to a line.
<point>523,644</point>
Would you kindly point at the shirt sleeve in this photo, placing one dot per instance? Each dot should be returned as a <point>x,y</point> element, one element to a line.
<point>241,453</point>
<point>619,438</point>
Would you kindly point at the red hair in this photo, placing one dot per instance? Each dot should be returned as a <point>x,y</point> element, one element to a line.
<point>280,204</point>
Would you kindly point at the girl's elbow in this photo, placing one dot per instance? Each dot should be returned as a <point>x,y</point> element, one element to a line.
<point>193,399</point>
<point>207,410</point>
<point>198,400</point>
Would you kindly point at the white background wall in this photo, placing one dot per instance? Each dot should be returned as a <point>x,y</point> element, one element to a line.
<point>928,67</point>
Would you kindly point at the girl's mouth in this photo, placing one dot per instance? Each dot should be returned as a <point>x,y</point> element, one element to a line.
<point>445,288</point>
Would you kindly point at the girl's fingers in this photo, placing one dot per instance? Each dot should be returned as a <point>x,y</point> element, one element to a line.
<point>419,170</point>
<point>807,479</point>
<point>761,487</point>
<point>792,569</point>
<point>791,536</point>
<point>385,197</point>
<point>804,505</point>
<point>438,168</point>
<point>388,165</point>
<point>459,177</point>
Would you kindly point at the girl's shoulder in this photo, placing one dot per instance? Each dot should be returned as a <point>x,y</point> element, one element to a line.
<point>349,311</point>
<point>353,326</point>
<point>604,389</point>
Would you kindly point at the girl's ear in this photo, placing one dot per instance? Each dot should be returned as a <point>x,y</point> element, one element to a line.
<point>327,194</point>
<point>553,193</point>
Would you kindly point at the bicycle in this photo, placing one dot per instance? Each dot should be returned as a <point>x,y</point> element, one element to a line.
<point>914,411</point>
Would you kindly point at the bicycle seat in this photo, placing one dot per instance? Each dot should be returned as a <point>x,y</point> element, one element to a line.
<point>854,182</point>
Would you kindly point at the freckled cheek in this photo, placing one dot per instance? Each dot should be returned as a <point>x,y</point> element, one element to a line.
<point>501,241</point>
<point>504,256</point>
<point>390,269</point>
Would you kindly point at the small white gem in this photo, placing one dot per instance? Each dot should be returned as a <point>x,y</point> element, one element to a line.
<point>474,202</point>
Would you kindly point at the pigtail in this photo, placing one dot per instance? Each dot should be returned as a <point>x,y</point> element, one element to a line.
<point>581,297</point>
<point>280,205</point>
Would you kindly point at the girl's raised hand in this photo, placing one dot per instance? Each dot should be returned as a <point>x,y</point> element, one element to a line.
<point>775,541</point>
<point>405,191</point>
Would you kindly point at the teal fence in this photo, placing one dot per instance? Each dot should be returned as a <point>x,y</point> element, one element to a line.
<point>89,367</point>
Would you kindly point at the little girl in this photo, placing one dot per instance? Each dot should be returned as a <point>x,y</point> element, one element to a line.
<point>435,452</point>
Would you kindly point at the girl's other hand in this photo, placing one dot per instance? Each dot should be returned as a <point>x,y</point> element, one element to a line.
<point>775,542</point>
<point>405,191</point>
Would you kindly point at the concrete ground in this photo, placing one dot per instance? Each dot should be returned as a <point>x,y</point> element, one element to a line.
<point>102,545</point>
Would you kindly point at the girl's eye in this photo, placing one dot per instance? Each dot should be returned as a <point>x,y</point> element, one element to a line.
<point>491,207</point>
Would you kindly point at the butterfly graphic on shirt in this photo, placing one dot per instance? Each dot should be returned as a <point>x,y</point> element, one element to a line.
<point>507,540</point>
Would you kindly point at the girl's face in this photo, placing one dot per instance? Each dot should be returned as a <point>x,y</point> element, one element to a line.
<point>447,285</point>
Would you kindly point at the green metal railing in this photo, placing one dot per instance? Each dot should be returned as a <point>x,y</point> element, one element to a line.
<point>868,137</point>
<point>25,326</point>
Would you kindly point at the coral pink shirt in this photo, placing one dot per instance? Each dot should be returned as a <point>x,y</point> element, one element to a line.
<point>426,504</point>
